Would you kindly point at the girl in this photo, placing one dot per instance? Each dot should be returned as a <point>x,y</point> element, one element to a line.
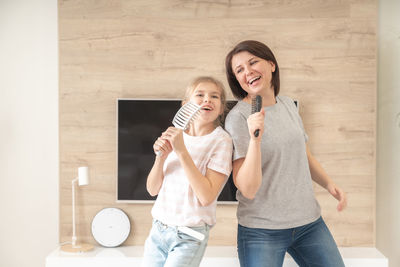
<point>277,209</point>
<point>188,175</point>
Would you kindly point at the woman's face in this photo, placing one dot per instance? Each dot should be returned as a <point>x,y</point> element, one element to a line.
<point>254,74</point>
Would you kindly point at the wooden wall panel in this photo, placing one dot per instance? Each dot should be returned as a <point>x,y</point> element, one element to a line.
<point>114,49</point>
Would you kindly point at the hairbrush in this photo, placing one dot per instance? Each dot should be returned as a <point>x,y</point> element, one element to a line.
<point>256,103</point>
<point>184,117</point>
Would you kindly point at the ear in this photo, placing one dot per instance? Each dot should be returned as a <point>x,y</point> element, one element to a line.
<point>272,66</point>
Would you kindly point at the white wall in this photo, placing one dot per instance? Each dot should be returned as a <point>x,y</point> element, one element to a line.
<point>388,143</point>
<point>29,131</point>
<point>29,196</point>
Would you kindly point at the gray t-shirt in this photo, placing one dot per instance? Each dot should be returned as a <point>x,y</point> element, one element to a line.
<point>285,198</point>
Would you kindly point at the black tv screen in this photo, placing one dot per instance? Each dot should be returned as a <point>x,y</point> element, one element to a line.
<point>139,123</point>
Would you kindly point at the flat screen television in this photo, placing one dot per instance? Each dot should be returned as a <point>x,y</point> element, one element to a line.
<point>139,123</point>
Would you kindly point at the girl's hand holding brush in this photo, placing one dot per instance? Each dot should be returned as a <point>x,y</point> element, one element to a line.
<point>162,147</point>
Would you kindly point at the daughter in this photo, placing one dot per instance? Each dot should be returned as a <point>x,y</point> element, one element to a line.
<point>188,175</point>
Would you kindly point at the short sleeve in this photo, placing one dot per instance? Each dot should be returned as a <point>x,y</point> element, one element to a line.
<point>221,159</point>
<point>236,126</point>
<point>294,110</point>
<point>300,122</point>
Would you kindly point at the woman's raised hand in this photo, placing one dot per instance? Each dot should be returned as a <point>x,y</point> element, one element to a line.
<point>256,122</point>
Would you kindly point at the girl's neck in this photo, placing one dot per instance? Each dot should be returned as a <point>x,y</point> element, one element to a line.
<point>198,129</point>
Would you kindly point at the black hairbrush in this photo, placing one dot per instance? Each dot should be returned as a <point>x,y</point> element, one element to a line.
<point>256,104</point>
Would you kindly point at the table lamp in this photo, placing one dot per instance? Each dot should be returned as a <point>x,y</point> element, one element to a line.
<point>83,179</point>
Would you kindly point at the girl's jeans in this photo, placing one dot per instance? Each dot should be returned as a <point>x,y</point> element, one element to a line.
<point>310,245</point>
<point>166,246</point>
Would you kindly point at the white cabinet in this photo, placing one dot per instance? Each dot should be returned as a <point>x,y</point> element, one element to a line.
<point>130,256</point>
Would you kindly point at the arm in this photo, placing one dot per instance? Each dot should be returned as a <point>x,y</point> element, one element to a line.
<point>319,176</point>
<point>206,187</point>
<point>156,175</point>
<point>247,174</point>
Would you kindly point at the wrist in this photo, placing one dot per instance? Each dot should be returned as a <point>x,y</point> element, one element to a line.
<point>255,141</point>
<point>181,153</point>
<point>330,185</point>
<point>160,159</point>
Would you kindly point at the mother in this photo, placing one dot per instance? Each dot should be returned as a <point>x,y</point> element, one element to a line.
<point>277,211</point>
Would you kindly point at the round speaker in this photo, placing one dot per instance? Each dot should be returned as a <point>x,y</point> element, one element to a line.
<point>111,227</point>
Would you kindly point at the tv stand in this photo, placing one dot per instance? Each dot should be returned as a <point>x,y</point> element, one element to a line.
<point>215,256</point>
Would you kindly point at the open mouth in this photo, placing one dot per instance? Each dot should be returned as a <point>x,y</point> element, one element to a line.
<point>206,108</point>
<point>254,79</point>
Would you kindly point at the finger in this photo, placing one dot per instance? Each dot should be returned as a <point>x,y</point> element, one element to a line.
<point>167,145</point>
<point>157,147</point>
<point>166,133</point>
<point>332,190</point>
<point>161,144</point>
<point>160,141</point>
<point>260,114</point>
<point>341,206</point>
<point>172,129</point>
<point>175,131</point>
<point>169,130</point>
<point>342,200</point>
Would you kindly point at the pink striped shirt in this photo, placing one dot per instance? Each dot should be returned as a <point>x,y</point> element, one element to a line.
<point>176,202</point>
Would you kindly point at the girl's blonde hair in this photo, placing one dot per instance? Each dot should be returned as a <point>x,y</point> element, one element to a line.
<point>208,79</point>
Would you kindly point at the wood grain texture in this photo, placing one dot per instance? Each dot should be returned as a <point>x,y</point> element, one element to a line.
<point>326,51</point>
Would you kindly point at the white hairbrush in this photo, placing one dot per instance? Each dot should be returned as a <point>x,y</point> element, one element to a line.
<point>184,117</point>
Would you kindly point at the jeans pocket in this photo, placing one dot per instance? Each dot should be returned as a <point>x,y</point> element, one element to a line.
<point>187,238</point>
<point>193,234</point>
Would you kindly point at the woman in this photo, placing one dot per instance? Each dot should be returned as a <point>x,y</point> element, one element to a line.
<point>277,211</point>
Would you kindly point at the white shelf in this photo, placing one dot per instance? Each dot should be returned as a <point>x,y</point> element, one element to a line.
<point>130,256</point>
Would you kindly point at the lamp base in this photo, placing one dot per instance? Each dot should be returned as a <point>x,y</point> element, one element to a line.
<point>80,247</point>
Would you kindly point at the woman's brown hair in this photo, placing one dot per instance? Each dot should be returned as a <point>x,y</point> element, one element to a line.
<point>257,49</point>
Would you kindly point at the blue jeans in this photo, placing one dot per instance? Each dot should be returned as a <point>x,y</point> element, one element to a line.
<point>310,245</point>
<point>166,246</point>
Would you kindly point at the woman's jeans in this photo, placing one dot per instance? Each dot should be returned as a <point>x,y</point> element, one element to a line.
<point>310,245</point>
<point>167,246</point>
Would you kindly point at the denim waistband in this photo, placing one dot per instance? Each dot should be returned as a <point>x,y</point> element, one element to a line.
<point>160,223</point>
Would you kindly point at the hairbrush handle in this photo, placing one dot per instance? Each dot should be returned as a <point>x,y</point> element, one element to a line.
<point>256,104</point>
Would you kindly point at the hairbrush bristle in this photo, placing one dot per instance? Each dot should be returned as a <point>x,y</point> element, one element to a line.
<point>186,115</point>
<point>253,105</point>
<point>256,103</point>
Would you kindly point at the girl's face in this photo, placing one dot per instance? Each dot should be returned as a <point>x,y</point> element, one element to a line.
<point>208,96</point>
<point>254,74</point>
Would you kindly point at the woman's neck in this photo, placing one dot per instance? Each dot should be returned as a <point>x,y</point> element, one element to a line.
<point>268,97</point>
<point>267,100</point>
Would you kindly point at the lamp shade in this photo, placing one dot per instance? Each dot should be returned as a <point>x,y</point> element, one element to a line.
<point>83,175</point>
